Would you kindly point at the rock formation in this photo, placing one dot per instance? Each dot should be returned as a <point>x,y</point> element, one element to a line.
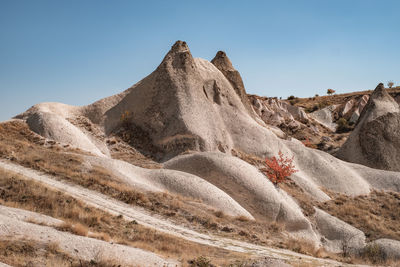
<point>223,63</point>
<point>188,104</point>
<point>275,112</point>
<point>353,108</point>
<point>375,141</point>
<point>191,114</point>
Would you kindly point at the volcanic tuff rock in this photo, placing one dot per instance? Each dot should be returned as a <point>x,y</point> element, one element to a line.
<point>223,63</point>
<point>375,141</point>
<point>190,105</point>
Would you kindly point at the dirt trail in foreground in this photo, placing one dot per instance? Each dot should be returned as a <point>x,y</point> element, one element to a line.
<point>161,224</point>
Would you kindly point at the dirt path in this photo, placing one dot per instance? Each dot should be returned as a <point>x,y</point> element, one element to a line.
<point>145,218</point>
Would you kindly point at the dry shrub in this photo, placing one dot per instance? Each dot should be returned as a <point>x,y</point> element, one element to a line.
<point>301,246</point>
<point>77,229</point>
<point>80,229</point>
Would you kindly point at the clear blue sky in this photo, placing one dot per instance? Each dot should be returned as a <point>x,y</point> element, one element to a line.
<point>78,51</point>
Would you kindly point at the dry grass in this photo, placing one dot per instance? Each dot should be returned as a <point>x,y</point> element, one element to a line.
<point>77,229</point>
<point>84,220</point>
<point>301,246</point>
<point>251,159</point>
<point>376,214</point>
<point>305,201</point>
<point>27,253</point>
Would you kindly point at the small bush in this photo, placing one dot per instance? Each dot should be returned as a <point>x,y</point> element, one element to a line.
<point>293,100</point>
<point>390,84</point>
<point>201,262</point>
<point>279,169</point>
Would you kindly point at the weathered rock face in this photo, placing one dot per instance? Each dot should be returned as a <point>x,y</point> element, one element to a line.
<point>375,141</point>
<point>223,63</point>
<point>353,108</point>
<point>189,104</point>
<point>380,141</point>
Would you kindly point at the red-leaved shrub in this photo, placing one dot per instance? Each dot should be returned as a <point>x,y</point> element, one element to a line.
<point>279,169</point>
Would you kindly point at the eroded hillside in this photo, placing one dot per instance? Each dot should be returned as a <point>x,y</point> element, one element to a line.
<point>186,146</point>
